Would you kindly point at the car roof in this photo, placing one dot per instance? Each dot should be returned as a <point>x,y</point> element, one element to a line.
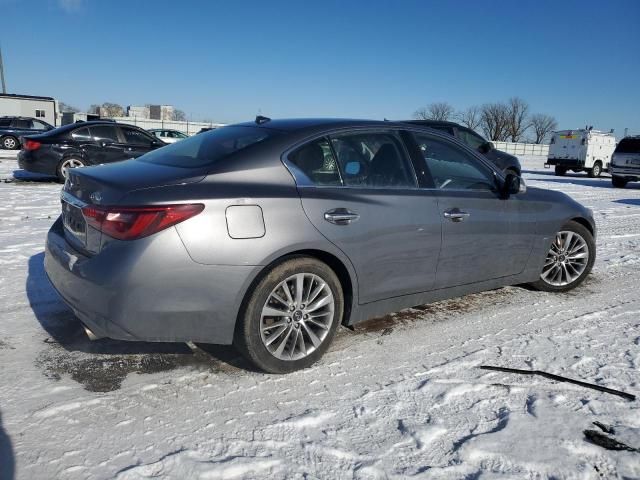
<point>444,123</point>
<point>300,125</point>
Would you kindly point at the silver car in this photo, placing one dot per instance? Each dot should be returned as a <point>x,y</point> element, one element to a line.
<point>167,135</point>
<point>625,162</point>
<point>269,235</point>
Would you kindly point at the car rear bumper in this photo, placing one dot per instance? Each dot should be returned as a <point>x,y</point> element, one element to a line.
<point>147,290</point>
<point>565,162</point>
<point>625,171</point>
<point>36,164</point>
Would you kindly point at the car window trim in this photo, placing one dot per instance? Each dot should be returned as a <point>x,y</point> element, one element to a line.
<point>345,130</point>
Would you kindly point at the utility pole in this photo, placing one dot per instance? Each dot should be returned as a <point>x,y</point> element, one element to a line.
<point>4,86</point>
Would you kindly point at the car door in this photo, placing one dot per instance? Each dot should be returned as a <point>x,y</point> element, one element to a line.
<point>359,190</point>
<point>106,146</point>
<point>136,141</point>
<point>484,235</point>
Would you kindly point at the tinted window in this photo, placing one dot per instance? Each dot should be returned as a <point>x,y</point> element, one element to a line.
<point>449,130</point>
<point>39,125</point>
<point>5,122</point>
<point>105,133</point>
<point>316,162</point>
<point>81,135</point>
<point>208,148</point>
<point>25,124</point>
<point>136,137</point>
<point>375,160</point>
<point>628,145</point>
<point>451,168</point>
<point>471,139</point>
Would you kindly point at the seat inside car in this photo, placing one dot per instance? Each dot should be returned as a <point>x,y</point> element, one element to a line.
<point>387,168</point>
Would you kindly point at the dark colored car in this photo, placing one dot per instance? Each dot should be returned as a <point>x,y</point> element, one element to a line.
<point>625,162</point>
<point>12,128</point>
<point>271,234</point>
<point>504,161</point>
<point>84,144</point>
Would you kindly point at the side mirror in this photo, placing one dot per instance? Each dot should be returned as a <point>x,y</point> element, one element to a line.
<point>486,147</point>
<point>513,185</point>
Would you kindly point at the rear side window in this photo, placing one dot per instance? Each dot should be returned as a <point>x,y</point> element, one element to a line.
<point>81,135</point>
<point>316,162</point>
<point>373,160</point>
<point>451,168</point>
<point>208,148</point>
<point>104,133</point>
<point>26,124</point>
<point>5,122</point>
<point>628,145</point>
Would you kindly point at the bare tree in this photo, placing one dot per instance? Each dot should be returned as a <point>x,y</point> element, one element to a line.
<point>107,109</point>
<point>493,120</point>
<point>178,115</point>
<point>435,111</point>
<point>471,117</point>
<point>517,118</point>
<point>65,107</point>
<point>542,125</point>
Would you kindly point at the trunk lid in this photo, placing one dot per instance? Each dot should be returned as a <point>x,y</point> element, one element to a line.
<point>108,184</point>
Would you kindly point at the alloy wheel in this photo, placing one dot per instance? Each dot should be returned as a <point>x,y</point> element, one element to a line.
<point>69,163</point>
<point>9,143</point>
<point>297,316</point>
<point>567,259</point>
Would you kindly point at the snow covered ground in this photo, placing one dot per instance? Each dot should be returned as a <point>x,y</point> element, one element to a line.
<point>400,397</point>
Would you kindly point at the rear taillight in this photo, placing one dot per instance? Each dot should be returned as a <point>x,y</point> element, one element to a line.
<point>31,145</point>
<point>130,223</point>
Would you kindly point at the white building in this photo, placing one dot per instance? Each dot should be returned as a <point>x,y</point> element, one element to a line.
<point>137,111</point>
<point>42,108</point>
<point>153,112</point>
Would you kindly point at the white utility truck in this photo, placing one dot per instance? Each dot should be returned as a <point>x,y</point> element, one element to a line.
<point>581,150</point>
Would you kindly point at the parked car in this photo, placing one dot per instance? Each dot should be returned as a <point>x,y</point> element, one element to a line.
<point>625,162</point>
<point>581,150</point>
<point>12,128</point>
<point>168,136</point>
<point>83,144</point>
<point>504,161</point>
<point>270,235</point>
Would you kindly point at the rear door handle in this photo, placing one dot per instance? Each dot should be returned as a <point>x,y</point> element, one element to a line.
<point>341,216</point>
<point>456,215</point>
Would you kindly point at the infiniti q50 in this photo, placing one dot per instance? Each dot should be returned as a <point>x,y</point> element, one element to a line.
<point>270,234</point>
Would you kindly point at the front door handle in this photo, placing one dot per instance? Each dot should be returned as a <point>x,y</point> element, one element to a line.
<point>341,216</point>
<point>456,215</point>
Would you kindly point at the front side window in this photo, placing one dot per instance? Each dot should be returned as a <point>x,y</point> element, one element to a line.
<point>208,148</point>
<point>471,139</point>
<point>372,160</point>
<point>451,168</point>
<point>135,137</point>
<point>39,125</point>
<point>104,133</point>
<point>315,161</point>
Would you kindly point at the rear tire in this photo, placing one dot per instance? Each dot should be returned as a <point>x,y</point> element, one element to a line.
<point>65,165</point>
<point>10,143</point>
<point>596,171</point>
<point>560,171</point>
<point>511,171</point>
<point>569,260</point>
<point>618,182</point>
<point>276,330</point>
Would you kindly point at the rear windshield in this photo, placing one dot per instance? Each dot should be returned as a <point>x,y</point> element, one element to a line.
<point>629,145</point>
<point>206,148</point>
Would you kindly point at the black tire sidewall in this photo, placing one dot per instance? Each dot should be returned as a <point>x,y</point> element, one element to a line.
<point>618,182</point>
<point>247,337</point>
<point>588,237</point>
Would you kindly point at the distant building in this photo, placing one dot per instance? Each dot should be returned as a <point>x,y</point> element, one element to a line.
<point>153,112</point>
<point>42,108</point>
<point>138,111</point>
<point>73,117</point>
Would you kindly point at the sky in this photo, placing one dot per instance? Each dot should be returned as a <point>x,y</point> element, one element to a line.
<point>228,61</point>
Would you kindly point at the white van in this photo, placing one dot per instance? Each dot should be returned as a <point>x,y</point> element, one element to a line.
<point>581,150</point>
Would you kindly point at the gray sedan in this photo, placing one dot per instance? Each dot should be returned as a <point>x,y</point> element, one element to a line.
<point>269,235</point>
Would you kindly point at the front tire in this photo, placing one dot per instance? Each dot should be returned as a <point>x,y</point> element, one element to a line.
<point>596,170</point>
<point>63,167</point>
<point>290,317</point>
<point>618,182</point>
<point>10,143</point>
<point>560,171</point>
<point>569,259</point>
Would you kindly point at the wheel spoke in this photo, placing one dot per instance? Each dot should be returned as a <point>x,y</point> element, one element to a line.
<point>274,336</point>
<point>287,292</point>
<point>283,343</point>
<point>299,288</point>
<point>320,303</point>
<point>268,311</point>
<point>314,339</point>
